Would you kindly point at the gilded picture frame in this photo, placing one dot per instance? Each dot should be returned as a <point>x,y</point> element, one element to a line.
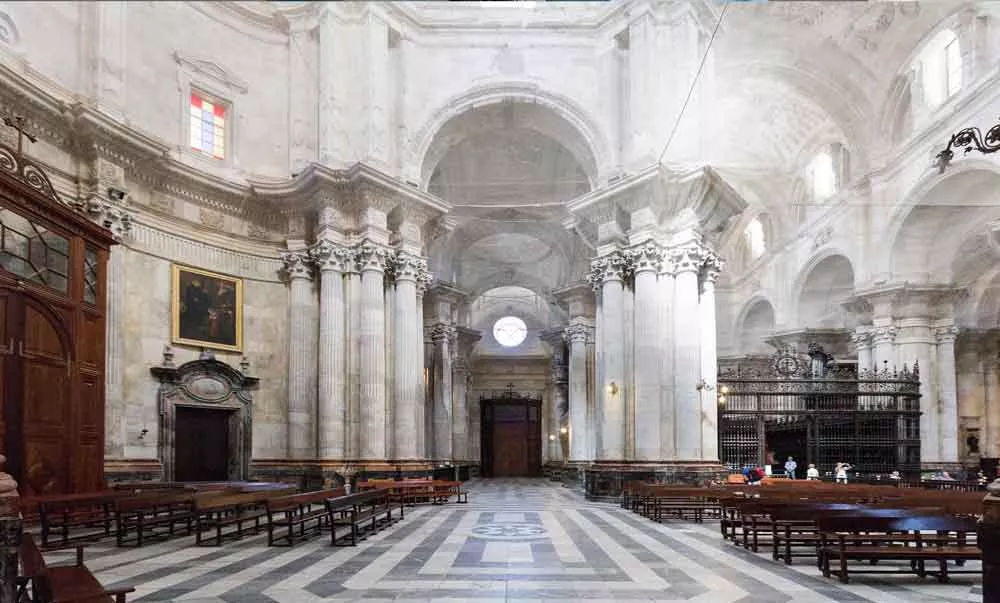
<point>206,309</point>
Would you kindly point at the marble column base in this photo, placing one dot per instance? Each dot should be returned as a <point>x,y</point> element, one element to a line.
<point>604,480</point>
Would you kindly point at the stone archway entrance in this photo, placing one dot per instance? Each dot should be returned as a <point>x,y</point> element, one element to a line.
<point>208,402</point>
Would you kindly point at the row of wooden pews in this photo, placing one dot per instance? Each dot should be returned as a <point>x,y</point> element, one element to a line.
<point>837,525</point>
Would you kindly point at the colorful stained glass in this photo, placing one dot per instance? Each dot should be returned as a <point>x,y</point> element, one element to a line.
<point>208,126</point>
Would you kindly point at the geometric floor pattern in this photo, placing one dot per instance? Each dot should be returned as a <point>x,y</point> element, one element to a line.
<point>516,540</point>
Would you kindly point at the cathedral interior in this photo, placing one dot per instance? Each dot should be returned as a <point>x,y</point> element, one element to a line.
<point>540,249</point>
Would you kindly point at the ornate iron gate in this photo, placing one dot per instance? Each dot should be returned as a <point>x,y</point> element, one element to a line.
<point>822,413</point>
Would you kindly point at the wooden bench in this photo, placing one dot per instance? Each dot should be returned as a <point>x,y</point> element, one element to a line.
<point>153,517</point>
<point>442,490</point>
<point>61,583</point>
<point>363,513</point>
<point>850,537</point>
<point>216,513</point>
<point>67,518</point>
<point>305,511</point>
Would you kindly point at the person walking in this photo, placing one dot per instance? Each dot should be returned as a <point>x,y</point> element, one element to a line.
<point>790,467</point>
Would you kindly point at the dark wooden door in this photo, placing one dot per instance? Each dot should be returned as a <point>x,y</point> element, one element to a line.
<point>201,445</point>
<point>511,438</point>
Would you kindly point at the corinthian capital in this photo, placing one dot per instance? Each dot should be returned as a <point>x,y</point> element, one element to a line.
<point>297,264</point>
<point>409,266</point>
<point>861,339</point>
<point>946,334</point>
<point>371,257</point>
<point>712,267</point>
<point>441,332</point>
<point>577,332</point>
<point>884,334</point>
<point>330,256</point>
<point>647,257</point>
<point>615,266</point>
<point>688,258</point>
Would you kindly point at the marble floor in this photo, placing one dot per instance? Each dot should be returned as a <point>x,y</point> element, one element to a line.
<point>516,540</point>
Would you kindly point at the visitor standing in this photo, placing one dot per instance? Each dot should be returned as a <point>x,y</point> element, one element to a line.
<point>790,467</point>
<point>812,473</point>
<point>840,473</point>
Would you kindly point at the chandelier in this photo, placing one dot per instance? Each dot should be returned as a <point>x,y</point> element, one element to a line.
<point>970,138</point>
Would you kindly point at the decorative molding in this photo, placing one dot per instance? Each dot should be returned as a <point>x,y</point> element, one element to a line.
<point>213,71</point>
<point>441,332</point>
<point>884,334</point>
<point>946,334</point>
<point>330,257</point>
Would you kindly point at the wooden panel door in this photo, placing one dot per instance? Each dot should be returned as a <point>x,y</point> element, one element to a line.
<point>46,400</point>
<point>512,438</point>
<point>201,445</point>
<point>511,452</point>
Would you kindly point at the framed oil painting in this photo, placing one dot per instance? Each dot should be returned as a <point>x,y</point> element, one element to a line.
<point>207,309</point>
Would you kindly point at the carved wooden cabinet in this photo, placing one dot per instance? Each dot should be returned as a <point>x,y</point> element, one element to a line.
<point>52,335</point>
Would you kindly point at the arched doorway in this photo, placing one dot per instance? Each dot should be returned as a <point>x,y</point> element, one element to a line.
<point>511,435</point>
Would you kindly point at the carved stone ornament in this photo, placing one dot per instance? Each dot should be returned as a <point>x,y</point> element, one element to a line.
<point>442,332</point>
<point>408,266</point>
<point>688,258</point>
<point>209,384</point>
<point>424,279</point>
<point>886,334</point>
<point>329,256</point>
<point>861,340</point>
<point>647,257</point>
<point>615,266</point>
<point>946,334</point>
<point>372,257</point>
<point>113,215</point>
<point>577,333</point>
<point>297,264</point>
<point>712,267</point>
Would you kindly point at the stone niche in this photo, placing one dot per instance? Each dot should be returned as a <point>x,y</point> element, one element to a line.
<point>206,383</point>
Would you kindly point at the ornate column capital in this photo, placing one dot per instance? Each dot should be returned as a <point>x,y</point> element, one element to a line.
<point>371,257</point>
<point>297,264</point>
<point>424,280</point>
<point>409,267</point>
<point>615,266</point>
<point>861,339</point>
<point>884,334</point>
<point>712,266</point>
<point>113,215</point>
<point>578,332</point>
<point>946,334</point>
<point>689,257</point>
<point>329,256</point>
<point>647,257</point>
<point>441,332</point>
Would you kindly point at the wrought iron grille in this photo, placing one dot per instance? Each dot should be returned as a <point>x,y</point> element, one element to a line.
<point>822,413</point>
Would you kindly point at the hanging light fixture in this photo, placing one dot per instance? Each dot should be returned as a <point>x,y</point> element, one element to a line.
<point>972,139</point>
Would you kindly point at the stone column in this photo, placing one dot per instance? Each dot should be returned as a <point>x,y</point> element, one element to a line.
<point>423,280</point>
<point>460,423</point>
<point>577,335</point>
<point>862,341</point>
<point>665,316</point>
<point>709,359</point>
<point>408,383</point>
<point>599,389</point>
<point>687,351</point>
<point>352,277</point>
<point>441,335</point>
<point>559,395</point>
<point>914,349</point>
<point>883,342</point>
<point>648,353</point>
<point>301,435</point>
<point>331,410</point>
<point>371,261</point>
<point>947,392</point>
<point>611,411</point>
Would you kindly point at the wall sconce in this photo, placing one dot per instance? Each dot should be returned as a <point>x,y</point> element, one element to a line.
<point>702,384</point>
<point>552,437</point>
<point>564,430</point>
<point>613,388</point>
<point>142,434</point>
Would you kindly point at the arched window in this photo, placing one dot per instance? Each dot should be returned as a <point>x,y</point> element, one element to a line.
<point>754,235</point>
<point>823,175</point>
<point>941,67</point>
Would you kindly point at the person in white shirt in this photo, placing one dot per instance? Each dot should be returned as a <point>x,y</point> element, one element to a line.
<point>841,472</point>
<point>812,473</point>
<point>790,467</point>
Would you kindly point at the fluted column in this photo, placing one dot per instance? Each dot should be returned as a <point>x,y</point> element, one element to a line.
<point>576,336</point>
<point>687,261</point>
<point>408,382</point>
<point>423,279</point>
<point>611,411</point>
<point>709,359</point>
<point>352,280</point>
<point>884,345</point>
<point>441,335</point>
<point>648,347</point>
<point>947,392</point>
<point>559,396</point>
<point>862,341</point>
<point>665,332</point>
<point>301,436</point>
<point>331,410</point>
<point>371,261</point>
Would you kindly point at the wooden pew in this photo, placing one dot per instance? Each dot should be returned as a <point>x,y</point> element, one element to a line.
<point>305,511</point>
<point>363,513</point>
<point>225,510</point>
<point>852,538</point>
<point>61,583</point>
<point>153,516</point>
<point>66,518</point>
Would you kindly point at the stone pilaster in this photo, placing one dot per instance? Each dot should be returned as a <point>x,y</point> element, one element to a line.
<point>862,340</point>
<point>442,336</point>
<point>577,335</point>
<point>332,383</point>
<point>914,347</point>
<point>372,401</point>
<point>947,392</point>
<point>687,260</point>
<point>408,383</point>
<point>647,261</point>
<point>709,358</point>
<point>611,271</point>
<point>301,435</point>
<point>422,282</point>
<point>461,425</point>
<point>884,345</point>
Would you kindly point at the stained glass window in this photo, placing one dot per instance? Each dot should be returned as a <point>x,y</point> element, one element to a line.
<point>90,276</point>
<point>33,252</point>
<point>208,126</point>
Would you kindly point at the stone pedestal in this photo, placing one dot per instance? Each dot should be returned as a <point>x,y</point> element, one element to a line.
<point>989,541</point>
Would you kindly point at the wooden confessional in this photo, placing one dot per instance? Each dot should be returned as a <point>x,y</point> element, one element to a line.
<point>52,335</point>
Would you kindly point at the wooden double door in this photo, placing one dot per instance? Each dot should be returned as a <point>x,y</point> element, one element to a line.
<point>201,444</point>
<point>511,438</point>
<point>52,416</point>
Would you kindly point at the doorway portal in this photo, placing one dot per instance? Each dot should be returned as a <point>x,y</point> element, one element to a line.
<point>201,444</point>
<point>511,437</point>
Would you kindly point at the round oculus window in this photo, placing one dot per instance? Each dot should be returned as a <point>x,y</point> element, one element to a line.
<point>510,331</point>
